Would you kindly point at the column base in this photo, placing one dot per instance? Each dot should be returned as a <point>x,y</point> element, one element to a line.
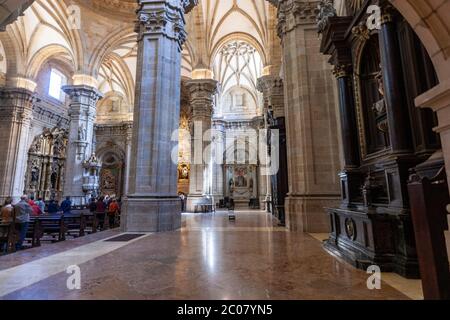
<point>148,214</point>
<point>307,213</point>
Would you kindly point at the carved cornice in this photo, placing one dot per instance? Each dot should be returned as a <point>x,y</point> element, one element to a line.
<point>342,70</point>
<point>16,104</point>
<point>292,13</point>
<point>164,18</point>
<point>49,116</point>
<point>270,83</point>
<point>202,96</point>
<point>81,97</point>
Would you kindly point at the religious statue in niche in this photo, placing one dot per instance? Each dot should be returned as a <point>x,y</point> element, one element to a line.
<point>380,106</point>
<point>82,133</point>
<point>34,176</point>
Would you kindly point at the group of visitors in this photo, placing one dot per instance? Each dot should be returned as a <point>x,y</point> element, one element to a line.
<point>105,205</point>
<point>20,213</point>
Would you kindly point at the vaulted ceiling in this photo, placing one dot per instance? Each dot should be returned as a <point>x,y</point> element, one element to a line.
<point>105,45</point>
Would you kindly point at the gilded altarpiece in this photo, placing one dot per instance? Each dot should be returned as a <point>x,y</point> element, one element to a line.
<point>46,162</point>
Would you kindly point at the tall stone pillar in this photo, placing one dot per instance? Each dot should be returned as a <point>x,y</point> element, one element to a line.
<point>311,124</point>
<point>16,112</point>
<point>82,113</point>
<point>152,203</point>
<point>218,149</point>
<point>273,94</point>
<point>129,139</point>
<point>202,103</point>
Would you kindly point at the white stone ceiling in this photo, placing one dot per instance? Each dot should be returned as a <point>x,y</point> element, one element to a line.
<point>105,45</point>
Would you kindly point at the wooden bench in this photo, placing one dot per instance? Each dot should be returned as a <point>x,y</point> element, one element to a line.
<point>75,223</point>
<point>34,232</point>
<point>52,225</point>
<point>91,222</point>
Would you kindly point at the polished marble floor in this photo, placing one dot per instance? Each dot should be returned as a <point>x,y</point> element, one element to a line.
<point>210,258</point>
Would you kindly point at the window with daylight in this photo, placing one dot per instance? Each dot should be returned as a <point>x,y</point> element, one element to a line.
<point>57,81</point>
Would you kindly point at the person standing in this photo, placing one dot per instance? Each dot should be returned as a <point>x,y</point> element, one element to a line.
<point>52,207</point>
<point>101,209</point>
<point>23,220</point>
<point>6,215</point>
<point>66,206</point>
<point>113,211</point>
<point>41,204</point>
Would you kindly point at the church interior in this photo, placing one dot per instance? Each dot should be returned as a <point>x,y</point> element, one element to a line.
<point>224,149</point>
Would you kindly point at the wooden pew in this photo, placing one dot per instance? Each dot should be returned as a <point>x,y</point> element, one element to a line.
<point>52,225</point>
<point>75,222</point>
<point>91,221</point>
<point>34,232</point>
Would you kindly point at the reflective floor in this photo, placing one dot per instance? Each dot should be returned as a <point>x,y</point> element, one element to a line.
<point>210,258</point>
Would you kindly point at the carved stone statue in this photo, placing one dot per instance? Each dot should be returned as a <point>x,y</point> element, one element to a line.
<point>326,10</point>
<point>82,133</point>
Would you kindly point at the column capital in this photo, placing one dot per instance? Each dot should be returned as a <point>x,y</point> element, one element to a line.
<point>292,13</point>
<point>272,89</point>
<point>270,83</point>
<point>202,86</point>
<point>342,70</point>
<point>16,104</point>
<point>83,94</point>
<point>202,96</point>
<point>164,18</point>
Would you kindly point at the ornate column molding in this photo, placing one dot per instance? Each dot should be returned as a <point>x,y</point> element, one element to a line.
<point>16,104</point>
<point>202,96</point>
<point>292,13</point>
<point>164,18</point>
<point>342,70</point>
<point>273,93</point>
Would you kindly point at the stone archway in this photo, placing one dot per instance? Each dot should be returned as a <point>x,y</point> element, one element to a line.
<point>431,22</point>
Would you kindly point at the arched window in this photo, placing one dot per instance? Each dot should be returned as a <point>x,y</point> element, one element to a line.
<point>57,81</point>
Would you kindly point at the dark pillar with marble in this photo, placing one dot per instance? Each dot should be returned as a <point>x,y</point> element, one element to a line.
<point>391,63</point>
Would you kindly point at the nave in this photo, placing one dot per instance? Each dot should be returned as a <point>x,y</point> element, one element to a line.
<point>211,258</point>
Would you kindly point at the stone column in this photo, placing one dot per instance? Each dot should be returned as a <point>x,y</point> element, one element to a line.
<point>16,112</point>
<point>152,203</point>
<point>311,123</point>
<point>129,139</point>
<point>82,113</point>
<point>273,95</point>
<point>218,150</point>
<point>399,125</point>
<point>202,103</point>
